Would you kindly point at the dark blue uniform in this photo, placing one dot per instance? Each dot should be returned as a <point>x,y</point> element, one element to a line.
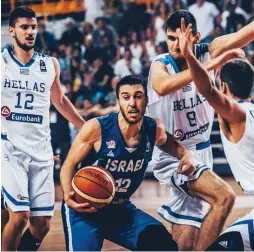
<point>120,222</point>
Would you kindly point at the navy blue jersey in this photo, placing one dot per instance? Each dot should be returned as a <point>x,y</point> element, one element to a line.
<point>127,165</point>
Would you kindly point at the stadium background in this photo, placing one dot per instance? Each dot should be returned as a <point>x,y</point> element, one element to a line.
<point>97,41</point>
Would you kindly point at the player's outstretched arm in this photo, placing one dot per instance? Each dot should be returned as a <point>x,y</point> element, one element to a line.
<point>61,102</point>
<point>238,39</point>
<point>167,143</point>
<point>81,146</point>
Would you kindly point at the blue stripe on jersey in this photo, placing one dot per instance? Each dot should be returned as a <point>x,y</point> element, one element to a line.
<point>4,137</point>
<point>32,60</point>
<point>203,145</point>
<point>50,208</point>
<point>14,201</point>
<point>250,224</point>
<point>201,49</point>
<point>127,165</point>
<point>169,60</point>
<point>180,216</point>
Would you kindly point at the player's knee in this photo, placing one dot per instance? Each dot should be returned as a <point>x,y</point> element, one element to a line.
<point>225,197</point>
<point>40,225</point>
<point>184,243</point>
<point>19,220</point>
<point>156,238</point>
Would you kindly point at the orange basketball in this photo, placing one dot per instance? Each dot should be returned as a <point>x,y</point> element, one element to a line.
<point>95,185</point>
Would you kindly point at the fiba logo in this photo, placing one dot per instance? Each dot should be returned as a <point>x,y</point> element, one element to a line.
<point>178,134</point>
<point>5,111</point>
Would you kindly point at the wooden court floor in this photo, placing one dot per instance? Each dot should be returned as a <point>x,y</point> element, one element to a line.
<point>148,197</point>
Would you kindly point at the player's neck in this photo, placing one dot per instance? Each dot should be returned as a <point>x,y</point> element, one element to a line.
<point>127,129</point>
<point>23,56</point>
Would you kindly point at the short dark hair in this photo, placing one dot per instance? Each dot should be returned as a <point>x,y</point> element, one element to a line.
<point>174,21</point>
<point>238,74</point>
<point>20,12</point>
<point>131,80</point>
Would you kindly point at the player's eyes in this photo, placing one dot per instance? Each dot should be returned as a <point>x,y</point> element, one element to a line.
<point>126,98</point>
<point>171,38</point>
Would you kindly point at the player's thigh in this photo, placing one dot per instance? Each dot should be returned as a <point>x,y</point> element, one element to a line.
<point>134,224</point>
<point>82,232</point>
<point>41,188</point>
<point>14,177</point>
<point>185,236</point>
<point>209,187</point>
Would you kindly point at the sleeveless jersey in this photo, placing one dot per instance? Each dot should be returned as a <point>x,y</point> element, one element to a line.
<point>240,155</point>
<point>127,165</point>
<point>186,114</point>
<point>25,92</point>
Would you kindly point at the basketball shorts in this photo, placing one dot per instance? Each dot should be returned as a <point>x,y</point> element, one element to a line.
<point>245,228</point>
<point>181,207</point>
<point>120,224</point>
<point>27,184</point>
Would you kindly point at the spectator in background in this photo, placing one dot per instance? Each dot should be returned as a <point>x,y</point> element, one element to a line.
<point>72,35</point>
<point>108,51</point>
<point>128,65</point>
<point>204,13</point>
<point>45,40</point>
<point>87,30</point>
<point>149,46</point>
<point>178,5</point>
<point>162,13</point>
<point>92,51</point>
<point>135,46</point>
<point>233,17</point>
<point>122,44</point>
<point>100,31</point>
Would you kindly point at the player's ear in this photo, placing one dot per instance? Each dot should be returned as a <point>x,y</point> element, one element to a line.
<point>224,88</point>
<point>197,38</point>
<point>11,31</point>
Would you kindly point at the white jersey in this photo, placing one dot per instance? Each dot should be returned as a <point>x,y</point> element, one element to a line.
<point>25,92</point>
<point>240,155</point>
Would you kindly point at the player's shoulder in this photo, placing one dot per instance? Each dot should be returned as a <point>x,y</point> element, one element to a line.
<point>5,51</point>
<point>150,122</point>
<point>42,57</point>
<point>108,121</point>
<point>164,58</point>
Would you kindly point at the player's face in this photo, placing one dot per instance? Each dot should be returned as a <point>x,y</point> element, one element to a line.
<point>132,102</point>
<point>173,43</point>
<point>24,32</point>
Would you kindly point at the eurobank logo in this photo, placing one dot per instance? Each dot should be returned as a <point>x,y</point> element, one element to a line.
<point>28,118</point>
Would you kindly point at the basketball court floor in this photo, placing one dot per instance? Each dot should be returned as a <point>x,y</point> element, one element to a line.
<point>148,197</point>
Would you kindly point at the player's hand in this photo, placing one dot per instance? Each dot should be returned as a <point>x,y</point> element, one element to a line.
<point>184,35</point>
<point>80,207</point>
<point>187,164</point>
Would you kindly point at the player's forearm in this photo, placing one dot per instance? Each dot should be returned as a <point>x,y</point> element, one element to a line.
<point>199,75</point>
<point>173,147</point>
<point>235,40</point>
<point>66,108</point>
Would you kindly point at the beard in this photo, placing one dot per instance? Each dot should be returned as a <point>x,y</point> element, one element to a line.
<point>127,120</point>
<point>25,47</point>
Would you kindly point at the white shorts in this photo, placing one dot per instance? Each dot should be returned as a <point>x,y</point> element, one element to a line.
<point>181,207</point>
<point>27,184</point>
<point>245,226</point>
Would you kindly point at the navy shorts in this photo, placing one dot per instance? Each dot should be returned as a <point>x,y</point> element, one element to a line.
<point>120,224</point>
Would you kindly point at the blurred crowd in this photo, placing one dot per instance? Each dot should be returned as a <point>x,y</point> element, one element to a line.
<point>93,55</point>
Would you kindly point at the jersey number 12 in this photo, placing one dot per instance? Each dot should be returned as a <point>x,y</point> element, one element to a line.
<point>28,101</point>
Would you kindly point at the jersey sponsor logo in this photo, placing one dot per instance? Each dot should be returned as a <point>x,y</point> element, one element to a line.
<point>193,133</point>
<point>187,88</point>
<point>24,71</point>
<point>28,118</point>
<point>190,103</point>
<point>5,111</point>
<point>124,166</point>
<point>111,144</point>
<point>43,66</point>
<point>178,134</point>
<point>110,154</point>
<point>223,244</point>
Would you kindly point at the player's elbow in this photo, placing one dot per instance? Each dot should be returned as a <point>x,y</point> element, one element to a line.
<point>161,89</point>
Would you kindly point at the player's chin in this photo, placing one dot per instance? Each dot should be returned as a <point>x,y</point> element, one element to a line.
<point>134,119</point>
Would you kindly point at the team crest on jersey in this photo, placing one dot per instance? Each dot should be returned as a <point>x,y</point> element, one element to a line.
<point>178,134</point>
<point>111,144</point>
<point>5,111</point>
<point>43,66</point>
<point>187,88</point>
<point>24,71</point>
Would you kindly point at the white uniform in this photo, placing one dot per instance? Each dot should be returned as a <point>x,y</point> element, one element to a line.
<point>187,115</point>
<point>27,157</point>
<point>241,160</point>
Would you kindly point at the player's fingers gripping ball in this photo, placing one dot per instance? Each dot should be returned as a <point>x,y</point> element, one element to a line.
<point>94,185</point>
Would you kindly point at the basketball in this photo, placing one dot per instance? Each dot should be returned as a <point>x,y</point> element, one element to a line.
<point>94,185</point>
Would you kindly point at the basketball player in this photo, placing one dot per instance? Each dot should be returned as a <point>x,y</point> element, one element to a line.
<point>236,119</point>
<point>173,98</point>
<point>29,80</point>
<point>124,144</point>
